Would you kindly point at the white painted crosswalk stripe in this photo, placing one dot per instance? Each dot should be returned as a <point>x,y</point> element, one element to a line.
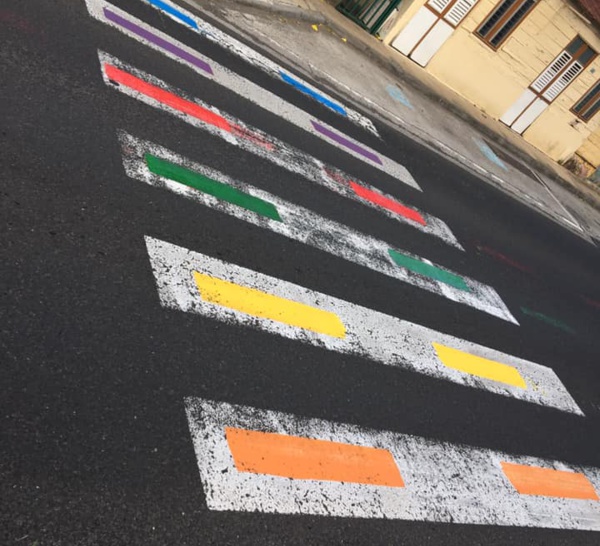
<point>208,68</point>
<point>254,460</point>
<point>156,93</point>
<point>253,57</point>
<point>256,141</point>
<point>160,167</point>
<point>195,283</point>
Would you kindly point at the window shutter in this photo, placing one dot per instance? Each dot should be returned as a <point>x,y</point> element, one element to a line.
<point>553,69</point>
<point>439,5</point>
<point>589,104</point>
<point>565,79</point>
<point>459,11</point>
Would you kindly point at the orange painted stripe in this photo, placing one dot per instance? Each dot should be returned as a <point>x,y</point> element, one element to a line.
<point>165,97</point>
<point>535,480</point>
<point>309,459</point>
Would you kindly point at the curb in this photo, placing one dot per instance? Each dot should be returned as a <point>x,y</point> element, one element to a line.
<point>361,45</point>
<point>412,131</point>
<point>286,10</point>
<point>392,67</point>
<point>488,177</point>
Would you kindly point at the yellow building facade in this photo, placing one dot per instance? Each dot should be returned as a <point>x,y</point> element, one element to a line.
<point>532,64</point>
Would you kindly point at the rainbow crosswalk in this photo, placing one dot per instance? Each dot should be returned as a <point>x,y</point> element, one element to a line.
<point>160,167</point>
<point>340,183</point>
<point>158,94</point>
<point>252,459</point>
<point>265,461</point>
<point>256,59</point>
<point>210,69</point>
<point>195,283</point>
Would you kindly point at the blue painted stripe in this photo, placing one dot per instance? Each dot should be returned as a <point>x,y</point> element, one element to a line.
<point>308,91</point>
<point>174,12</point>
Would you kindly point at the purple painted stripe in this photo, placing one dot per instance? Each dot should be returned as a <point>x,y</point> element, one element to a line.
<point>345,142</point>
<point>157,40</point>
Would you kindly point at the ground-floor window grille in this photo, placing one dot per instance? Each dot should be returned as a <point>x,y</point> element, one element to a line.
<point>564,69</point>
<point>369,14</point>
<point>452,11</point>
<point>589,104</point>
<point>553,80</point>
<point>503,20</point>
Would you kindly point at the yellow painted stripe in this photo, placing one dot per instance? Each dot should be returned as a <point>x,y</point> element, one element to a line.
<point>260,304</point>
<point>479,366</point>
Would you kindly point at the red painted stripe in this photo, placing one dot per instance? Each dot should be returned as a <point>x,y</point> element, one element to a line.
<point>252,137</point>
<point>337,177</point>
<point>165,97</point>
<point>592,302</point>
<point>501,257</point>
<point>387,203</point>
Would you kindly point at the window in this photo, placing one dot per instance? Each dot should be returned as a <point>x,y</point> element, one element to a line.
<point>589,104</point>
<point>452,11</point>
<point>563,69</point>
<point>581,51</point>
<point>553,80</point>
<point>439,5</point>
<point>503,20</point>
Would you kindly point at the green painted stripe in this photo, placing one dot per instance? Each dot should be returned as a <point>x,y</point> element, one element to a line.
<point>427,270</point>
<point>204,184</point>
<point>548,320</point>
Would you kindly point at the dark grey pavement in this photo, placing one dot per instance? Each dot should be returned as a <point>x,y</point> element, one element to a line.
<point>94,445</point>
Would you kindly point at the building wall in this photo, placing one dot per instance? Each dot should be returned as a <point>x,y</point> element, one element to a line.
<point>590,149</point>
<point>493,80</point>
<point>406,10</point>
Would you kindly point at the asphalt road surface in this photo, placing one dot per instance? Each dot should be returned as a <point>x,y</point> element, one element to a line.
<point>99,367</point>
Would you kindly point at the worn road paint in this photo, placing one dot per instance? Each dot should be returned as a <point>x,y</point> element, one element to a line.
<point>130,80</point>
<point>319,97</point>
<point>174,12</point>
<point>569,219</point>
<point>505,259</point>
<point>253,57</point>
<point>160,167</point>
<point>282,155</point>
<point>389,204</point>
<point>121,20</point>
<point>208,68</point>
<point>548,482</point>
<point>548,320</point>
<point>373,335</point>
<point>200,182</point>
<point>350,144</point>
<point>427,270</point>
<point>443,482</point>
<point>478,366</point>
<point>190,108</point>
<point>258,303</point>
<point>489,153</point>
<point>591,302</point>
<point>398,95</point>
<point>302,458</point>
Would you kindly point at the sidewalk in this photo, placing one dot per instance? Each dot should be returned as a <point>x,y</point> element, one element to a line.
<point>321,44</point>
